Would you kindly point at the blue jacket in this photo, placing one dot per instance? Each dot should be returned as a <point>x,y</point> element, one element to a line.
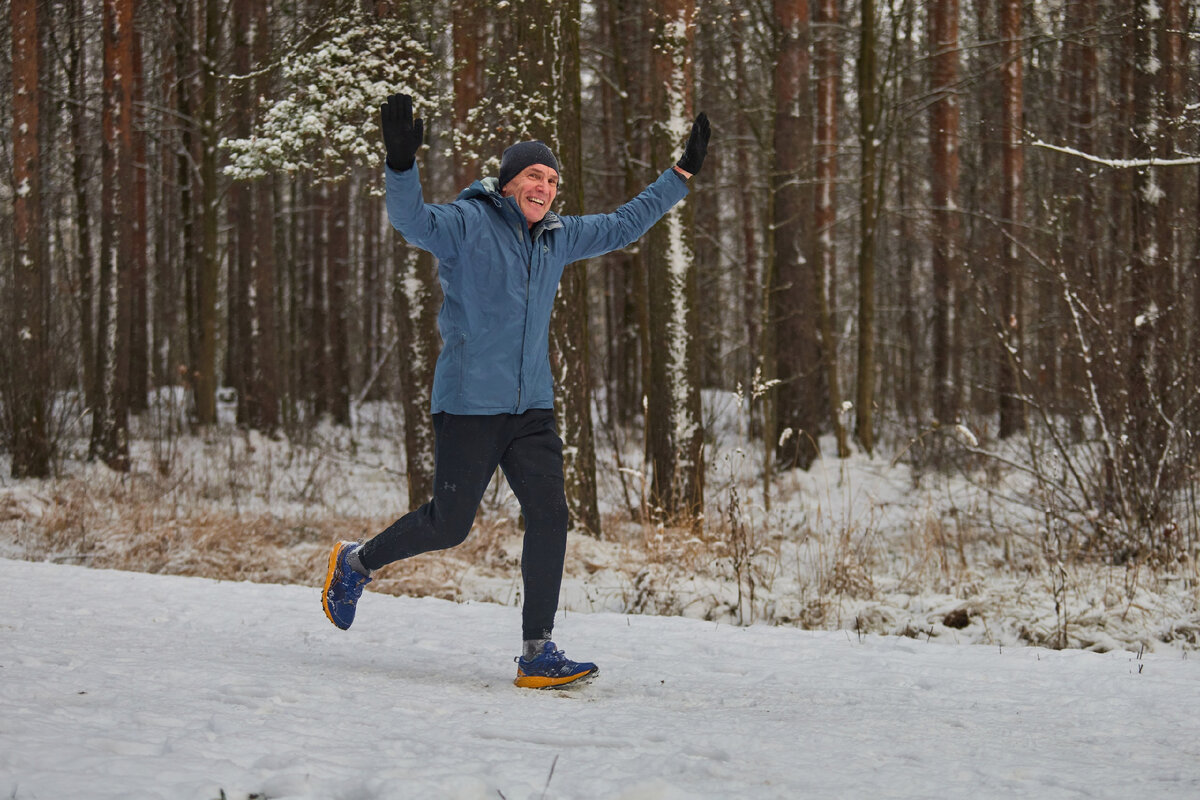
<point>499,279</point>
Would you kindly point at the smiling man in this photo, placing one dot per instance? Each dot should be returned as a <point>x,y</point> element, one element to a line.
<point>501,253</point>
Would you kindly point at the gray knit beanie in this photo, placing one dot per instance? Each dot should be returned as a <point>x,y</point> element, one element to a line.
<point>520,156</point>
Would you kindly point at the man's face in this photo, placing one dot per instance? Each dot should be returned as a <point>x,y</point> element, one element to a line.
<point>534,189</point>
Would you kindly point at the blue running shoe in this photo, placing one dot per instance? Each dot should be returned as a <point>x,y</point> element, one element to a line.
<point>343,586</point>
<point>551,669</point>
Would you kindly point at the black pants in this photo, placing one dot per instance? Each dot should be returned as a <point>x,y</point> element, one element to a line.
<point>467,450</point>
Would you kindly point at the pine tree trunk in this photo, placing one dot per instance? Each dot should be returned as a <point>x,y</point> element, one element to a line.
<point>263,404</point>
<point>1010,284</point>
<point>944,174</point>
<point>569,334</point>
<point>139,345</point>
<point>825,216</point>
<point>80,169</point>
<point>341,285</point>
<point>110,419</point>
<point>674,429</point>
<point>207,283</point>
<point>468,39</point>
<point>25,386</point>
<point>868,139</point>
<point>792,297</point>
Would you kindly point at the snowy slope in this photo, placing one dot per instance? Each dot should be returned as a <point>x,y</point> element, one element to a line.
<point>123,685</point>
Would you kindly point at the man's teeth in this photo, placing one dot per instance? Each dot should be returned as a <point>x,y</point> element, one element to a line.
<point>539,202</point>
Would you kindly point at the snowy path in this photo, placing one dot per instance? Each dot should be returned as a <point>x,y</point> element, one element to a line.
<point>121,685</point>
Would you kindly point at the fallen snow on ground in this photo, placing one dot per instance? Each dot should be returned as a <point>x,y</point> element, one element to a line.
<point>120,685</point>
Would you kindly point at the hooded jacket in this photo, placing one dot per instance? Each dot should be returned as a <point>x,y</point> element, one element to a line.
<point>499,279</point>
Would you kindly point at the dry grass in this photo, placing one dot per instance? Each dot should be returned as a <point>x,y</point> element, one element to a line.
<point>834,560</point>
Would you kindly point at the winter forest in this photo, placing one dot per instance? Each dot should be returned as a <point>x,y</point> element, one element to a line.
<point>953,238</point>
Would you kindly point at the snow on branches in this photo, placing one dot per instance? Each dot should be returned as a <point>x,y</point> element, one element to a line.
<point>328,119</point>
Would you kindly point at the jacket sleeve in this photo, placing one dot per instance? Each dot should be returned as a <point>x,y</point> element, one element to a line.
<point>592,235</point>
<point>440,229</point>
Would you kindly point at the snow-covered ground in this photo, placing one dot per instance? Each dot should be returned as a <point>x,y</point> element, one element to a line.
<point>129,685</point>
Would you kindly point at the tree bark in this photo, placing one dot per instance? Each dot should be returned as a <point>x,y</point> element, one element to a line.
<point>1010,283</point>
<point>825,216</point>
<point>205,367</point>
<point>26,384</point>
<point>944,175</point>
<point>793,297</point>
<point>110,419</point>
<point>569,334</point>
<point>264,388</point>
<point>674,429</point>
<point>868,111</point>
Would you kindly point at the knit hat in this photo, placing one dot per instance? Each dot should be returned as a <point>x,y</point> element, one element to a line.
<point>522,155</point>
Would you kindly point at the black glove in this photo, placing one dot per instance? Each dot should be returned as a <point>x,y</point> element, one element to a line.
<point>697,145</point>
<point>402,135</point>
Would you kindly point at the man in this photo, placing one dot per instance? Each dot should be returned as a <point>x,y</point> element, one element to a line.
<point>501,253</point>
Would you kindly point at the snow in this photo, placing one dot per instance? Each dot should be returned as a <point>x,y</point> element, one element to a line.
<point>120,685</point>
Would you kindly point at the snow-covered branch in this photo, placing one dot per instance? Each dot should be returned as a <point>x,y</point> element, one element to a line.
<point>1120,163</point>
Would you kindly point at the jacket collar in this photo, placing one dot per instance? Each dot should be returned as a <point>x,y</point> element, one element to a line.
<point>489,189</point>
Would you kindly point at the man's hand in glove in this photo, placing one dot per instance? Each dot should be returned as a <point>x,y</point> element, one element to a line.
<point>402,135</point>
<point>697,147</point>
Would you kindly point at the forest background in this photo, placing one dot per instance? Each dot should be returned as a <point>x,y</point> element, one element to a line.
<point>956,238</point>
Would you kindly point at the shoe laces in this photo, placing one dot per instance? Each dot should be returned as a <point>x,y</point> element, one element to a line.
<point>353,582</point>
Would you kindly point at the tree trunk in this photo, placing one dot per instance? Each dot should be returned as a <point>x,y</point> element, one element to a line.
<point>110,419</point>
<point>242,224</point>
<point>263,404</point>
<point>944,173</point>
<point>792,297</point>
<point>205,368</point>
<point>25,386</point>
<point>80,169</point>
<point>569,334</point>
<point>1171,31</point>
<point>1081,253</point>
<point>868,140</point>
<point>1010,291</point>
<point>674,429</point>
<point>139,267</point>
<point>340,290</point>
<point>187,69</point>
<point>417,297</point>
<point>469,36</point>
<point>825,216</point>
<point>1145,425</point>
